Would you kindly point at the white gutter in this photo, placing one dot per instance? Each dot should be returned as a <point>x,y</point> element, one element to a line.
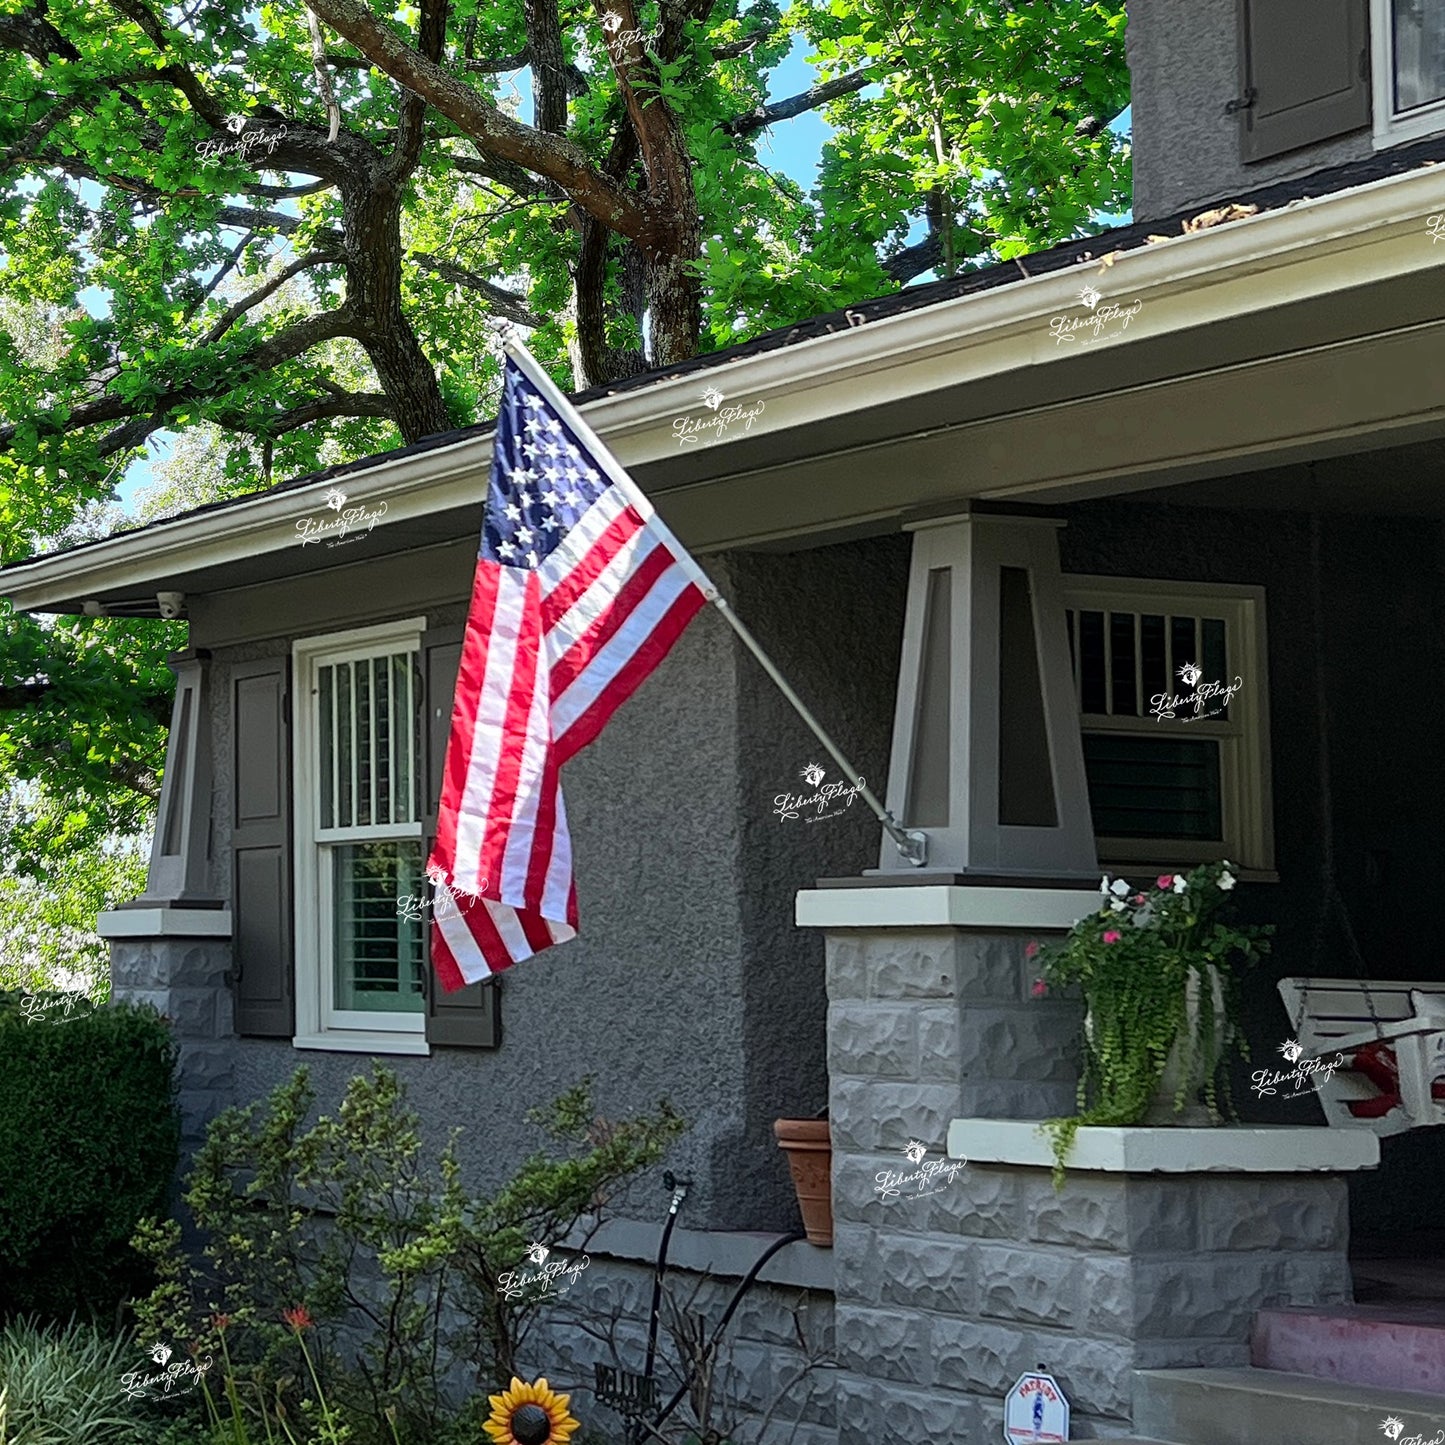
<point>1315,247</point>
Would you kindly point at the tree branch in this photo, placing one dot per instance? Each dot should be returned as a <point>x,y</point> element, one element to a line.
<point>498,135</point>
<point>751,121</point>
<point>234,313</point>
<point>144,415</point>
<point>507,303</point>
<point>341,403</point>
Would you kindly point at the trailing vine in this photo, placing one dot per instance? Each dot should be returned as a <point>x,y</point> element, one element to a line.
<point>1138,961</point>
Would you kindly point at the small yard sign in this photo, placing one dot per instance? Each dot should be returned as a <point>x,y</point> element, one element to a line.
<point>1035,1410</point>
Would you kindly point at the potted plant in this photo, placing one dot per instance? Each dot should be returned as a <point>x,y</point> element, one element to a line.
<point>809,1148</point>
<point>1159,972</point>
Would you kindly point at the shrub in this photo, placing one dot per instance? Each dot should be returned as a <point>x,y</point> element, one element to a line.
<point>62,1386</point>
<point>347,1225</point>
<point>89,1136</point>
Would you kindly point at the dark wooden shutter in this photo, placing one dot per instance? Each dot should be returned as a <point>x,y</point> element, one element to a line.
<point>264,966</point>
<point>472,1016</point>
<point>1306,73</point>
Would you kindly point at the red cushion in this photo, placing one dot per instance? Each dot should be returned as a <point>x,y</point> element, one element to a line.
<point>1377,1063</point>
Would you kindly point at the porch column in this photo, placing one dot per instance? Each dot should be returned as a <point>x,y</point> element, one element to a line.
<point>1156,1255</point>
<point>987,757</point>
<point>171,947</point>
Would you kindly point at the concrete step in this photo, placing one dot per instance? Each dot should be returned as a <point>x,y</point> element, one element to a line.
<point>1249,1407</point>
<point>1396,1346</point>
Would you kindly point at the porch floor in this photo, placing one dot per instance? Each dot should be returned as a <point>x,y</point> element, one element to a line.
<point>1400,1267</point>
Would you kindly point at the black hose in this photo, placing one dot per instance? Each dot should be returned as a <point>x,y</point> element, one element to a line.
<point>733,1303</point>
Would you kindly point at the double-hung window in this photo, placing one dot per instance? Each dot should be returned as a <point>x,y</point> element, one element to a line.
<point>360,980</point>
<point>1173,707</point>
<point>1409,69</point>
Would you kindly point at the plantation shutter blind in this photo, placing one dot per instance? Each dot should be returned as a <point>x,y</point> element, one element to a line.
<point>262,946</point>
<point>1306,73</point>
<point>471,1017</point>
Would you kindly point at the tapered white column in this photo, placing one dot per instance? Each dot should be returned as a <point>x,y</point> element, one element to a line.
<point>987,757</point>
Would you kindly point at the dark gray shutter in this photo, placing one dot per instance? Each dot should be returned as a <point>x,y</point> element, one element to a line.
<point>261,848</point>
<point>472,1016</point>
<point>1306,73</point>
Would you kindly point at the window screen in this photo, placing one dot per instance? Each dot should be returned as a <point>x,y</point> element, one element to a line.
<point>370,741</point>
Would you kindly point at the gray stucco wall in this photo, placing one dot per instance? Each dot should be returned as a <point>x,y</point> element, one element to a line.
<point>688,978</point>
<point>1185,68</point>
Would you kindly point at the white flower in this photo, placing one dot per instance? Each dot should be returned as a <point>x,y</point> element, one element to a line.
<point>1180,883</point>
<point>1227,880</point>
<point>1117,905</point>
<point>1118,888</point>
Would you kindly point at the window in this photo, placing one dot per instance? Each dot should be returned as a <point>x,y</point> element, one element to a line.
<point>1171,688</point>
<point>360,963</point>
<point>1409,69</point>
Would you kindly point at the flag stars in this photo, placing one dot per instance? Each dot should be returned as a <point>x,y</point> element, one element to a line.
<point>532,558</point>
<point>507,550</point>
<point>551,496</point>
<point>572,496</point>
<point>550,524</point>
<point>513,511</point>
<point>525,534</point>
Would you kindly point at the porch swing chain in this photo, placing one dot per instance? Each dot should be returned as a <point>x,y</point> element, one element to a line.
<point>1330,892</point>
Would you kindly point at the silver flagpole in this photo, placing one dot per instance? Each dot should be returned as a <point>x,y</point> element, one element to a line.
<point>912,844</point>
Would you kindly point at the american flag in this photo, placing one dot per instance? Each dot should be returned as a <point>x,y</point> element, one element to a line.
<point>579,593</point>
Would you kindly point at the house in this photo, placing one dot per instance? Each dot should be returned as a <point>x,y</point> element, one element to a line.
<point>980,525</point>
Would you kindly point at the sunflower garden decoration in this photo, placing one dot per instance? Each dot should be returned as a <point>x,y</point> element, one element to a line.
<point>532,1414</point>
<point>1159,973</point>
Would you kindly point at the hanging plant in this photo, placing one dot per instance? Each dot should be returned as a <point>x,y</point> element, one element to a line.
<point>1159,972</point>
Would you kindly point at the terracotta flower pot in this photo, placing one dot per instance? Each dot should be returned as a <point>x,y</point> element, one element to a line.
<point>809,1148</point>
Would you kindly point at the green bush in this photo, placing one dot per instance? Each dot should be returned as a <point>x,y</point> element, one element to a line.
<point>89,1136</point>
<point>62,1386</point>
<point>348,1274</point>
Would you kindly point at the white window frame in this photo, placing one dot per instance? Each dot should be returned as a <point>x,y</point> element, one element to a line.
<point>319,1024</point>
<point>1244,768</point>
<point>1392,128</point>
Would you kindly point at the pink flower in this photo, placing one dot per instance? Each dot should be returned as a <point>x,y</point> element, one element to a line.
<point>1138,898</point>
<point>1164,880</point>
<point>1032,951</point>
<point>1112,935</point>
<point>1040,988</point>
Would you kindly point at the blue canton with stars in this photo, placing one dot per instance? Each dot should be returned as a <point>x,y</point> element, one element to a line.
<point>543,478</point>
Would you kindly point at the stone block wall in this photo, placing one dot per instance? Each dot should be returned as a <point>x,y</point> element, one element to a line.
<point>774,1371</point>
<point>184,979</point>
<point>944,1298</point>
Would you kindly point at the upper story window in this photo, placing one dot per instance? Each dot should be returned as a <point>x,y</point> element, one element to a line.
<point>1409,69</point>
<point>360,963</point>
<point>1173,709</point>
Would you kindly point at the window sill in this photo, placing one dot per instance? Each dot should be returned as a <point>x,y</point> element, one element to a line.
<point>364,1043</point>
<point>1406,130</point>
